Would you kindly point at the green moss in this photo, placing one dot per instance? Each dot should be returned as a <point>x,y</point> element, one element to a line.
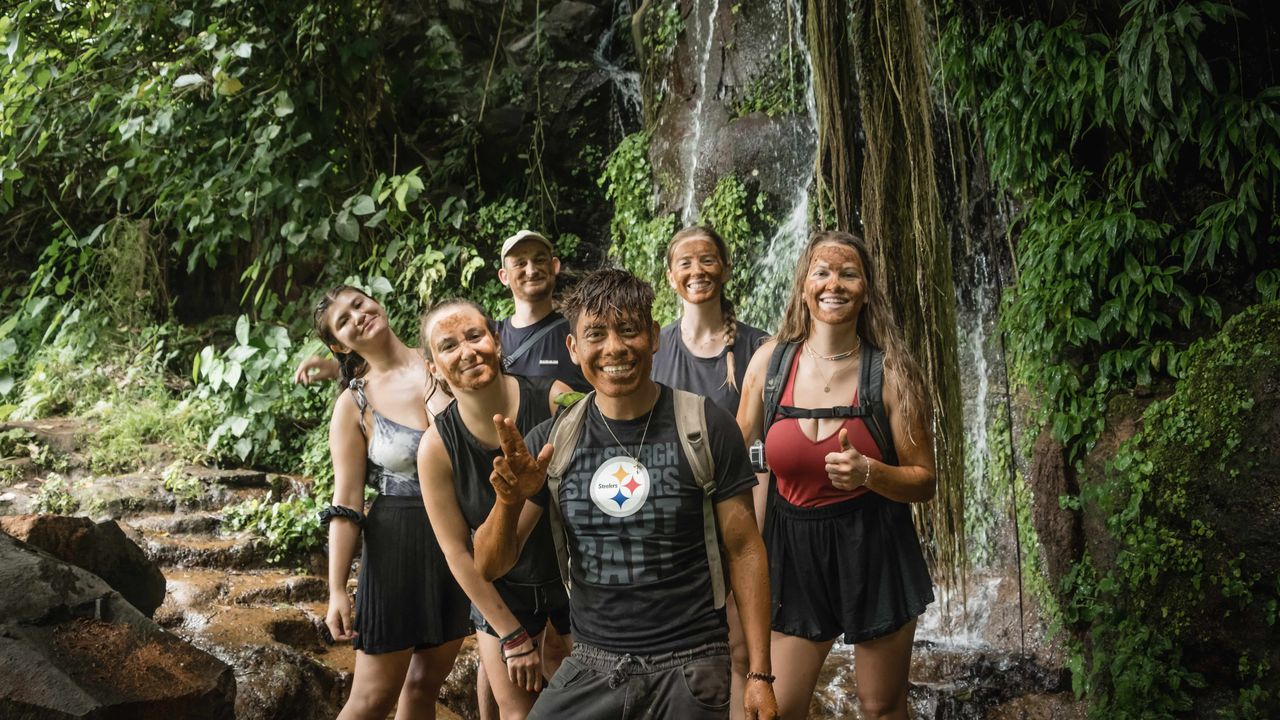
<point>778,89</point>
<point>1174,498</point>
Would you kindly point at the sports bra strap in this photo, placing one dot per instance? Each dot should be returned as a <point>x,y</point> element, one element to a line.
<point>362,401</point>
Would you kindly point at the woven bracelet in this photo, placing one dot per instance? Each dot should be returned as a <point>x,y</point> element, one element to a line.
<point>765,677</point>
<point>333,511</point>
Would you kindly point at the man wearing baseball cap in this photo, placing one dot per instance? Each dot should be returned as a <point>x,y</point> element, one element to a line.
<point>533,338</point>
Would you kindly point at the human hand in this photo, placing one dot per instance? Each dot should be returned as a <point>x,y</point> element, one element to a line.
<point>338,618</point>
<point>524,665</point>
<point>847,469</point>
<point>759,702</point>
<point>517,475</point>
<point>315,369</point>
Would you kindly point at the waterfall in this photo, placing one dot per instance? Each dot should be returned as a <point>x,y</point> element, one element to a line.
<point>774,270</point>
<point>693,146</point>
<point>626,105</point>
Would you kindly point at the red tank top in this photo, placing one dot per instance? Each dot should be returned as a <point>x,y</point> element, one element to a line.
<point>800,463</point>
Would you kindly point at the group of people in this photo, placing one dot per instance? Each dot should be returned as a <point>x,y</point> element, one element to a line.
<point>623,554</point>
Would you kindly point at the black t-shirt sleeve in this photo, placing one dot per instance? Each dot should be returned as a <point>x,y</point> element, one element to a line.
<point>729,452</point>
<point>535,440</point>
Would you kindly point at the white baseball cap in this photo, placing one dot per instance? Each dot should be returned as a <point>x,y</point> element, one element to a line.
<point>520,237</point>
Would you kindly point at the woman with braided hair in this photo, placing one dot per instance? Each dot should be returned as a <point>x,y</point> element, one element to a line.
<point>706,351</point>
<point>410,614</point>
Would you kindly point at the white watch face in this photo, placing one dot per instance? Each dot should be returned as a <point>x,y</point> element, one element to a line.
<point>620,486</point>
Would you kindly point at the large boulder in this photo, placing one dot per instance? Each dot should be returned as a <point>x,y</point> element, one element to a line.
<point>71,647</point>
<point>101,548</point>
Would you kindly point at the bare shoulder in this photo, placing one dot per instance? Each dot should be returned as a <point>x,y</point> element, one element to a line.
<point>760,360</point>
<point>345,411</point>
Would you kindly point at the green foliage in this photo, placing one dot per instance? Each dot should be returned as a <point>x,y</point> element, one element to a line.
<point>1096,137</point>
<point>743,223</point>
<point>778,88</point>
<point>665,26</point>
<point>291,528</point>
<point>187,489</point>
<point>1172,573</point>
<point>640,235</point>
<point>130,428</point>
<point>54,497</point>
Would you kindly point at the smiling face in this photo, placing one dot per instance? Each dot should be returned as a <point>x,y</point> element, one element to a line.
<point>696,271</point>
<point>464,351</point>
<point>355,321</point>
<point>615,351</point>
<point>835,288</point>
<point>530,271</point>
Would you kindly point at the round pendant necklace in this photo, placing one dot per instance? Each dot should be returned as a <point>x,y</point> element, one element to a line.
<point>639,468</point>
<point>826,381</point>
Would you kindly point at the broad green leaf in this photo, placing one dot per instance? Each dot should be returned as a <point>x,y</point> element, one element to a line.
<point>228,85</point>
<point>242,330</point>
<point>283,104</point>
<point>188,80</point>
<point>346,226</point>
<point>363,205</point>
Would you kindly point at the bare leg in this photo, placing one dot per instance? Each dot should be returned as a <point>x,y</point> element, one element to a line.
<point>486,703</point>
<point>427,672</point>
<point>513,702</point>
<point>555,648</point>
<point>882,667</point>
<point>375,684</point>
<point>738,661</point>
<point>796,662</point>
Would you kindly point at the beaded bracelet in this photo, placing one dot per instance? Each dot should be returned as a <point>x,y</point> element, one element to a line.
<point>333,511</point>
<point>765,677</point>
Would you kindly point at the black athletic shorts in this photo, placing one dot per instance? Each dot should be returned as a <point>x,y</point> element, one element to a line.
<point>854,567</point>
<point>533,606</point>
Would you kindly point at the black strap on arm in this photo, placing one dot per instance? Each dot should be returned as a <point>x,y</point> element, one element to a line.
<point>519,352</point>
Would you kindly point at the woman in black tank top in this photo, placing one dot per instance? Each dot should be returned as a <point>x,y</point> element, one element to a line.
<point>455,461</point>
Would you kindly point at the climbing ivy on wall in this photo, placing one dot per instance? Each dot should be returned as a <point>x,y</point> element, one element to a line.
<point>1146,164</point>
<point>1140,146</point>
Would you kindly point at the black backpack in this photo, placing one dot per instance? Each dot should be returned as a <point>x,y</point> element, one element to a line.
<point>870,400</point>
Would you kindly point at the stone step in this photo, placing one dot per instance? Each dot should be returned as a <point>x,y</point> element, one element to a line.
<point>192,591</point>
<point>239,551</point>
<point>177,522</point>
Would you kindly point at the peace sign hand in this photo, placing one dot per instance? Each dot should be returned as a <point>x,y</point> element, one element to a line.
<point>847,469</point>
<point>517,475</point>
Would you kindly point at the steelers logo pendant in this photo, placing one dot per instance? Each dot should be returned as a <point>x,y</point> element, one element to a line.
<point>620,486</point>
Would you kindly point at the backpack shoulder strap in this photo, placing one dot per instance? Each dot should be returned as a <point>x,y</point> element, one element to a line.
<point>565,432</point>
<point>871,402</point>
<point>691,425</point>
<point>519,352</point>
<point>775,380</point>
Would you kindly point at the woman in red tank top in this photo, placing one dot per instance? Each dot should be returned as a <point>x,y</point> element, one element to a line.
<point>843,553</point>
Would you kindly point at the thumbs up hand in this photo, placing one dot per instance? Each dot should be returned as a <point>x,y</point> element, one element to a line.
<point>847,468</point>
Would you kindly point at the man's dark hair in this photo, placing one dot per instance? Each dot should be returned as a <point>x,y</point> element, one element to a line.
<point>609,293</point>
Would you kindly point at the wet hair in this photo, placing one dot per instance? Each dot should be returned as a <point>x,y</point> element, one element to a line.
<point>609,293</point>
<point>726,305</point>
<point>440,307</point>
<point>876,323</point>
<point>350,364</point>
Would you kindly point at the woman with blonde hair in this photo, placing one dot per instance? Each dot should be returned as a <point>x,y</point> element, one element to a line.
<point>840,406</point>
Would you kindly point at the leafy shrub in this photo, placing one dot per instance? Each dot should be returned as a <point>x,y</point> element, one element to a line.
<point>54,497</point>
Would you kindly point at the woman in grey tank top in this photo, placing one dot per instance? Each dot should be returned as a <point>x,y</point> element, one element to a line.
<point>410,614</point>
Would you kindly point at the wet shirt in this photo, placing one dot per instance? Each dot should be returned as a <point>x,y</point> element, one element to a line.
<point>473,462</point>
<point>547,357</point>
<point>391,458</point>
<point>675,366</point>
<point>640,578</point>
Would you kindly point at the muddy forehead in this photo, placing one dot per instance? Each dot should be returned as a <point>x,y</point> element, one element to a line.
<point>697,245</point>
<point>835,255</point>
<point>455,321</point>
<point>612,315</point>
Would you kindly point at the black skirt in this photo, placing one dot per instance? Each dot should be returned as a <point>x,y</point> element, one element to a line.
<point>405,597</point>
<point>854,567</point>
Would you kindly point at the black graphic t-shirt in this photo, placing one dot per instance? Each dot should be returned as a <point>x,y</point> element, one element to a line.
<point>640,579</point>
<point>547,357</point>
<point>675,366</point>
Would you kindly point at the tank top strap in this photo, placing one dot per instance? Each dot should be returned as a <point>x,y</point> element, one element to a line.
<point>362,401</point>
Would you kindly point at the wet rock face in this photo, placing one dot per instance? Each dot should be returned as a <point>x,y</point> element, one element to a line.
<point>1057,527</point>
<point>72,647</point>
<point>100,548</point>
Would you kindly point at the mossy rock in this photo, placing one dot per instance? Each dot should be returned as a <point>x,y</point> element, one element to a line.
<point>1185,609</point>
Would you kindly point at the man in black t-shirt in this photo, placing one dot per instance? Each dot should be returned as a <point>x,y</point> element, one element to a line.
<point>533,338</point>
<point>649,639</point>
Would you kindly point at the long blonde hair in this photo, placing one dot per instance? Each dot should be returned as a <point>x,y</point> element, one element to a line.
<point>876,324</point>
<point>726,305</point>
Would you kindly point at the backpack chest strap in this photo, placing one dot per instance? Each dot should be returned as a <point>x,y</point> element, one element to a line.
<point>839,411</point>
